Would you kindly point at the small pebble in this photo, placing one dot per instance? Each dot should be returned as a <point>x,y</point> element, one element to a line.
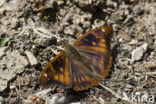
<point>133,42</point>
<point>3,84</point>
<point>60,2</point>
<point>42,32</point>
<point>124,35</point>
<point>138,52</point>
<point>1,100</point>
<point>32,59</point>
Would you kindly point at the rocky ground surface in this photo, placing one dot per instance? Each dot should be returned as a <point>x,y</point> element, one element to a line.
<point>32,33</point>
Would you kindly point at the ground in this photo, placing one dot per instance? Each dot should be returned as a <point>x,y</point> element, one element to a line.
<point>32,32</point>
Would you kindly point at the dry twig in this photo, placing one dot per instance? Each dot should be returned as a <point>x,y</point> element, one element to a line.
<point>116,95</point>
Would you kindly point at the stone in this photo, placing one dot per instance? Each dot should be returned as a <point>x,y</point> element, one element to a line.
<point>42,32</point>
<point>32,59</point>
<point>137,54</point>
<point>1,100</point>
<point>133,42</point>
<point>13,64</point>
<point>3,84</point>
<point>60,2</point>
<point>124,35</point>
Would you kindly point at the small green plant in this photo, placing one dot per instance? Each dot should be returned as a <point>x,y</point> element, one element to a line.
<point>3,41</point>
<point>46,18</point>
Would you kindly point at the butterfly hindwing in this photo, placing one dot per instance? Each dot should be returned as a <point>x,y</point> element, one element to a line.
<point>57,72</point>
<point>100,62</point>
<point>82,77</point>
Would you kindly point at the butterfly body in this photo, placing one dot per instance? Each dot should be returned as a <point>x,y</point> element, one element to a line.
<point>82,64</point>
<point>72,52</point>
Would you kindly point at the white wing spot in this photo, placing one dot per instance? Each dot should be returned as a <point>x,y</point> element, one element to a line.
<point>45,75</point>
<point>103,30</point>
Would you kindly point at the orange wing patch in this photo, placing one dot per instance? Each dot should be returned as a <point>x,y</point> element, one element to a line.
<point>57,72</point>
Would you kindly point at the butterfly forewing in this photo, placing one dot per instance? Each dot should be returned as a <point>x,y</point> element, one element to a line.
<point>57,72</point>
<point>95,45</point>
<point>96,40</point>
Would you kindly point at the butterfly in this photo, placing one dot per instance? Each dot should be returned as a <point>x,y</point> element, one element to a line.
<point>83,64</point>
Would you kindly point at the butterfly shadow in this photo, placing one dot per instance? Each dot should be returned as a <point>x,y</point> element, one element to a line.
<point>115,52</point>
<point>76,96</point>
